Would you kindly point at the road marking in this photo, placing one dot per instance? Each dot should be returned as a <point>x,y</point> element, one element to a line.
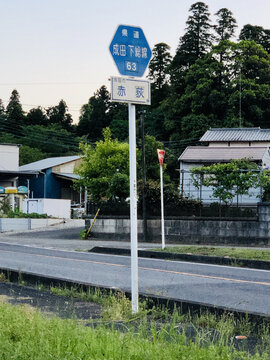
<point>147,269</point>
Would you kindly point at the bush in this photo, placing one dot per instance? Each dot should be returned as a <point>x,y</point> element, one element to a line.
<point>174,203</point>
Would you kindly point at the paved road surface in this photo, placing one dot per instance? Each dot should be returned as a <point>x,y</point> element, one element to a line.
<point>235,288</point>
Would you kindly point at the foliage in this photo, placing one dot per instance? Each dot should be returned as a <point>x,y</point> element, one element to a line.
<point>228,179</point>
<point>193,45</point>
<point>104,170</point>
<point>174,203</point>
<point>51,139</point>
<point>226,24</point>
<point>94,115</point>
<point>258,34</point>
<point>28,155</point>
<point>14,111</point>
<point>228,252</point>
<point>36,116</point>
<point>59,115</point>
<point>158,73</point>
<point>20,215</point>
<point>4,207</point>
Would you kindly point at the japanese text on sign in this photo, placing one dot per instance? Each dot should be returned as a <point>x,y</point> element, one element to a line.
<point>130,90</point>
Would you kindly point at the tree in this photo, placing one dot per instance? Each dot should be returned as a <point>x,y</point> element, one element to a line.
<point>158,71</point>
<point>105,169</point>
<point>226,25</point>
<point>14,111</point>
<point>51,139</point>
<point>194,44</point>
<point>28,155</point>
<point>2,108</point>
<point>158,65</point>
<point>94,115</point>
<point>258,34</point>
<point>59,115</point>
<point>118,119</point>
<point>36,116</point>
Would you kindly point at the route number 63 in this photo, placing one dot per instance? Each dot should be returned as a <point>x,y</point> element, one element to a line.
<point>131,66</point>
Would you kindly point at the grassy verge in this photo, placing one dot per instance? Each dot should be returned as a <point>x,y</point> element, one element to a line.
<point>237,253</point>
<point>26,334</point>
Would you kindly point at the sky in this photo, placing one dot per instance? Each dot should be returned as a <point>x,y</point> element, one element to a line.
<point>59,49</point>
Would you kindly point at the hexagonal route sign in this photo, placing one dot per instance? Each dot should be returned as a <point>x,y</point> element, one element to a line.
<point>130,50</point>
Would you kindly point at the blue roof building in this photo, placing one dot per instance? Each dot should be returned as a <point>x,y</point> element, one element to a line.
<point>54,178</point>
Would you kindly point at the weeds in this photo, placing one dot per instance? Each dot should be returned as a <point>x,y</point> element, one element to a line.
<point>3,277</point>
<point>229,252</point>
<point>31,336</point>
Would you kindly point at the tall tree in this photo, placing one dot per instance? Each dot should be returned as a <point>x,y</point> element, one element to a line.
<point>94,115</point>
<point>226,24</point>
<point>59,115</point>
<point>14,111</point>
<point>2,108</point>
<point>158,72</point>
<point>258,34</point>
<point>194,44</point>
<point>36,116</point>
<point>159,64</point>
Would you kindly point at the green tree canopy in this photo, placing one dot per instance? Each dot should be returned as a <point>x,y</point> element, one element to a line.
<point>105,169</point>
<point>36,116</point>
<point>194,44</point>
<point>226,24</point>
<point>14,111</point>
<point>28,155</point>
<point>94,115</point>
<point>59,115</point>
<point>258,34</point>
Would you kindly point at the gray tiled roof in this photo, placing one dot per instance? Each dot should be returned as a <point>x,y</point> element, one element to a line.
<point>48,163</point>
<point>221,154</point>
<point>236,134</point>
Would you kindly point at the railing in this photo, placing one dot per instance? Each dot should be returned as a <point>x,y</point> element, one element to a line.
<point>214,210</point>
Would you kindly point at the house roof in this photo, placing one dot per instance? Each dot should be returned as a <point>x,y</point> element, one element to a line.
<point>236,134</point>
<point>221,154</point>
<point>67,176</point>
<point>48,163</point>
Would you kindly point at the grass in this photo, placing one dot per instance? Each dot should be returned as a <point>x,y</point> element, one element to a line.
<point>115,306</point>
<point>26,334</point>
<point>153,333</point>
<point>231,252</point>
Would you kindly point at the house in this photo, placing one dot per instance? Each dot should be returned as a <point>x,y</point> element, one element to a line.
<point>222,145</point>
<point>55,178</point>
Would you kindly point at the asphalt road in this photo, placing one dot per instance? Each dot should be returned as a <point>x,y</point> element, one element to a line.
<point>222,286</point>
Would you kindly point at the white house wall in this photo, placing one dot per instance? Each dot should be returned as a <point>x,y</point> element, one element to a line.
<point>205,194</point>
<point>9,157</point>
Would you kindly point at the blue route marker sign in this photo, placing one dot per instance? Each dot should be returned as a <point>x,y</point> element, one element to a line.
<point>130,50</point>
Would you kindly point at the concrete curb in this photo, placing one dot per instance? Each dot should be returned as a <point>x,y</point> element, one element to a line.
<point>254,264</point>
<point>159,301</point>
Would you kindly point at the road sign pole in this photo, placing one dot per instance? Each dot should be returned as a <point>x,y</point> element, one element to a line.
<point>133,207</point>
<point>162,209</point>
<point>161,154</point>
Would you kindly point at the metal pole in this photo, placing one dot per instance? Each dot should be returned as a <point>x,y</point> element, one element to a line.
<point>162,209</point>
<point>143,180</point>
<point>133,207</point>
